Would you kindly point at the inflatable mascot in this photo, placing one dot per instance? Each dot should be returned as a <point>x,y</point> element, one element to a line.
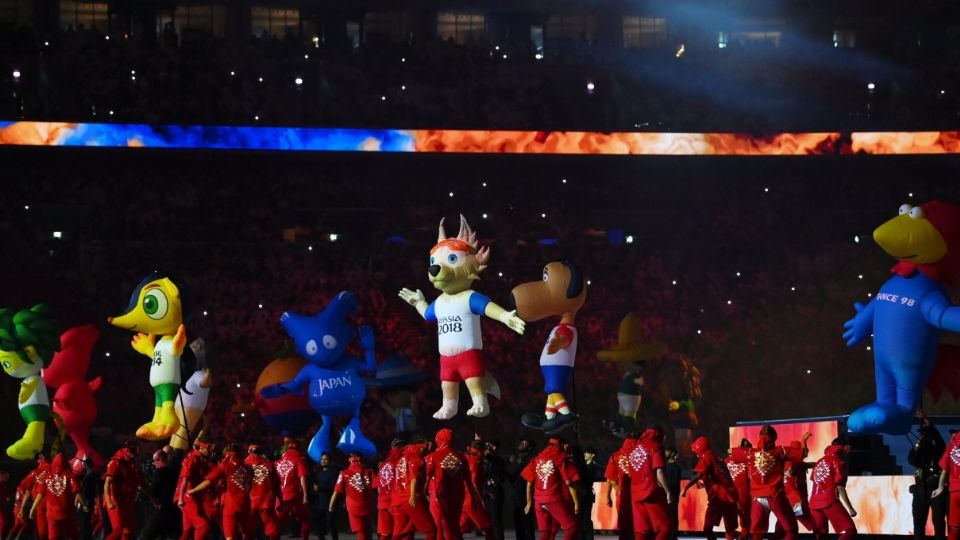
<point>28,339</point>
<point>632,352</point>
<point>561,293</point>
<point>156,313</point>
<point>192,398</point>
<point>908,313</point>
<point>455,263</point>
<point>335,386</point>
<point>74,402</point>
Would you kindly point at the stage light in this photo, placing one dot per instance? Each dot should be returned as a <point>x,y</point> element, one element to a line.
<point>233,73</point>
<point>589,282</point>
<point>808,372</point>
<point>309,248</point>
<point>496,48</point>
<point>484,216</point>
<point>46,43</point>
<point>238,385</point>
<point>856,239</point>
<point>298,81</point>
<point>674,282</point>
<point>26,207</point>
<point>16,74</point>
<point>133,77</point>
<point>383,98</point>
<point>590,87</point>
<point>256,117</point>
<point>869,348</point>
<point>504,56</point>
<point>403,87</point>
<point>629,239</point>
<point>910,195</point>
<point>869,295</point>
<point>538,56</point>
<point>729,302</point>
<point>259,306</point>
<point>738,274</point>
<point>243,415</point>
<point>860,276</point>
<point>699,332</point>
<point>544,216</point>
<point>500,274</point>
<point>403,60</point>
<point>871,86</point>
<point>942,92</point>
<point>766,190</point>
<point>306,57</point>
<point>259,79</point>
<point>316,41</point>
<point>484,184</point>
<point>563,180</point>
<point>793,288</point>
<point>107,354</point>
<point>451,194</point>
<point>106,38</point>
<point>110,112</point>
<point>57,234</point>
<point>680,50</point>
<point>334,237</point>
<point>204,313</point>
<point>133,72</point>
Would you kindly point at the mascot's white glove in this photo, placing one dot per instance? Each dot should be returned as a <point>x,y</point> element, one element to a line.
<point>511,319</point>
<point>415,299</point>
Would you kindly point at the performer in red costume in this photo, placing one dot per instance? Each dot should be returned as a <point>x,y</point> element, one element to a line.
<point>649,491</point>
<point>195,467</point>
<point>766,463</point>
<point>721,493</point>
<point>355,483</point>
<point>950,467</point>
<point>547,474</point>
<point>236,500</point>
<point>617,475</point>
<point>473,511</point>
<point>39,476</point>
<point>263,493</point>
<point>21,494</point>
<point>122,481</point>
<point>293,472</point>
<point>448,473</point>
<point>795,486</point>
<point>61,494</point>
<point>830,481</point>
<point>740,474</point>
<point>413,512</point>
<point>384,483</point>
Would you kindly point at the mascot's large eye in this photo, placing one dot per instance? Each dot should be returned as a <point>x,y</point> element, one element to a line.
<point>329,342</point>
<point>433,260</point>
<point>905,209</point>
<point>311,347</point>
<point>916,212</point>
<point>155,304</point>
<point>452,258</point>
<point>6,365</point>
<point>546,274</point>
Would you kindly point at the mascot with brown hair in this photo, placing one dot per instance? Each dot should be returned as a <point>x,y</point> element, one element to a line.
<point>560,293</point>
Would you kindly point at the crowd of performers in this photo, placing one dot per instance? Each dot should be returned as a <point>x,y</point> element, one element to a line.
<point>436,490</point>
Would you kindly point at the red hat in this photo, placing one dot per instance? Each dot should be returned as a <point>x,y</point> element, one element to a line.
<point>444,437</point>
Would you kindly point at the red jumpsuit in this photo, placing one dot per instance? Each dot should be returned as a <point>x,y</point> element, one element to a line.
<point>740,474</point>
<point>795,486</point>
<point>236,497</point>
<point>407,518</point>
<point>618,471</point>
<point>291,467</point>
<point>127,478</point>
<point>40,516</point>
<point>193,470</point>
<point>950,463</point>
<point>550,473</point>
<point>449,474</point>
<point>263,498</point>
<point>828,474</point>
<point>473,510</point>
<point>650,510</point>
<point>20,525</point>
<point>59,491</point>
<point>766,463</point>
<point>356,484</point>
<point>721,493</point>
<point>384,484</point>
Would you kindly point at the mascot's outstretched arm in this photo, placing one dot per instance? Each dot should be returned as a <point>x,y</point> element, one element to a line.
<point>861,325</point>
